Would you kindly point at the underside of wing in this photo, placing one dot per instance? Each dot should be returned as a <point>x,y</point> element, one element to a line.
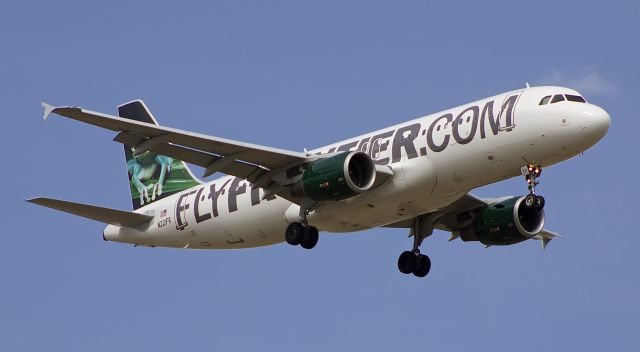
<point>156,135</point>
<point>280,172</point>
<point>252,162</point>
<point>448,218</point>
<point>492,221</point>
<point>136,132</point>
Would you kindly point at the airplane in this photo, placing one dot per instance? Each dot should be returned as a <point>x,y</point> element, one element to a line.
<point>415,175</point>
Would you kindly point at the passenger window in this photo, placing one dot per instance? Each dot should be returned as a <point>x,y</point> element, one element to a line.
<point>575,98</point>
<point>557,98</point>
<point>545,100</point>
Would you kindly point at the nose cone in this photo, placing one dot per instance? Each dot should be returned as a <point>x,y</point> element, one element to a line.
<point>595,121</point>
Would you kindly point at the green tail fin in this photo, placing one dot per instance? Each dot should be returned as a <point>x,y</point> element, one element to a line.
<point>152,176</point>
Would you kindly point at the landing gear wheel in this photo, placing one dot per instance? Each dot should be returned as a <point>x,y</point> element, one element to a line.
<point>423,265</point>
<point>294,234</point>
<point>530,201</point>
<point>407,262</point>
<point>310,238</point>
<point>539,202</point>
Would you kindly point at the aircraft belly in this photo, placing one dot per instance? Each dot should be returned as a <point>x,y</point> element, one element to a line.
<point>249,226</point>
<point>257,226</point>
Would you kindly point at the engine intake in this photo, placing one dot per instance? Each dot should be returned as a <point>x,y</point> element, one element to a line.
<point>505,223</point>
<point>338,177</point>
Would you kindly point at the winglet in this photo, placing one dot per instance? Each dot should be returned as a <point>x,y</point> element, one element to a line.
<point>47,110</point>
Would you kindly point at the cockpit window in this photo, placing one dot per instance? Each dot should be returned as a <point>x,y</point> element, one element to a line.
<point>562,97</point>
<point>557,98</point>
<point>545,100</point>
<point>575,98</point>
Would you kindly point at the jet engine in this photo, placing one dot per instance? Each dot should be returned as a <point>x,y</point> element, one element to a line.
<point>337,177</point>
<point>506,222</point>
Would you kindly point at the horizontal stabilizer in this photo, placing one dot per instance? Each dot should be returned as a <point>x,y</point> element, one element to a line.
<point>105,215</point>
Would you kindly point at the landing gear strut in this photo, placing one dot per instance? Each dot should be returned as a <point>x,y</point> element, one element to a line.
<point>413,262</point>
<point>301,233</point>
<point>532,173</point>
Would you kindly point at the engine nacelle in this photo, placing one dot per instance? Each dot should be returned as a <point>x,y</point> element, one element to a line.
<point>337,177</point>
<point>504,223</point>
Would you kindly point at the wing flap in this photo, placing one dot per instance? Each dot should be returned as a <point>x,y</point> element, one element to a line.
<point>101,214</point>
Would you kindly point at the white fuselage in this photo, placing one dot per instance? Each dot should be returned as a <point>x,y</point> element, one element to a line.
<point>435,160</point>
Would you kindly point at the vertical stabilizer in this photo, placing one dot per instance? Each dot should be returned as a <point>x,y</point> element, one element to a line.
<point>152,176</point>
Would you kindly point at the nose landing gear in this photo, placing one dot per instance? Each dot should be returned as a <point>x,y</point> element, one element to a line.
<point>532,173</point>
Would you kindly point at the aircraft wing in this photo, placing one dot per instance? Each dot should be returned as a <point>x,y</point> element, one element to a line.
<point>456,217</point>
<point>260,165</point>
<point>447,216</point>
<point>240,159</point>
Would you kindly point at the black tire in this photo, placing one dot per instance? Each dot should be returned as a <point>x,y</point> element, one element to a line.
<point>423,265</point>
<point>540,202</point>
<point>530,201</point>
<point>407,262</point>
<point>310,239</point>
<point>294,233</point>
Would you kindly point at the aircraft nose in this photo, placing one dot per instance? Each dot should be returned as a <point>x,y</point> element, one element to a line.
<point>596,121</point>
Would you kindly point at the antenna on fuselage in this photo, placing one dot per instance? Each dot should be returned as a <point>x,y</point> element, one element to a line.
<point>527,84</point>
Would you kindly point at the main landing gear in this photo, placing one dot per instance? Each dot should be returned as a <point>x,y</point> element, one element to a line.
<point>301,233</point>
<point>298,234</point>
<point>532,173</point>
<point>413,262</point>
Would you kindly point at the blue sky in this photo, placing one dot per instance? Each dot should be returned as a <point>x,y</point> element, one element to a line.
<point>297,74</point>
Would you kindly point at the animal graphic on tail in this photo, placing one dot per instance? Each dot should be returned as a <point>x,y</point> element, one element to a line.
<point>148,167</point>
<point>153,176</point>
